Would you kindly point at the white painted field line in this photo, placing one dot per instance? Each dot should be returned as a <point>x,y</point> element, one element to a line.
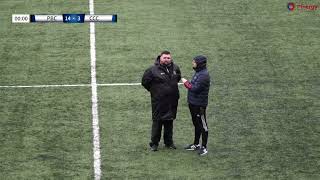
<point>47,86</point>
<point>124,84</point>
<point>120,84</point>
<point>75,85</point>
<point>94,98</point>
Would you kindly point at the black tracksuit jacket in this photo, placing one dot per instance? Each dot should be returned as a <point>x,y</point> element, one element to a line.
<point>162,83</point>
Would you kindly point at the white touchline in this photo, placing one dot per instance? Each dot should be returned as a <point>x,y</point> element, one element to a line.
<point>94,98</point>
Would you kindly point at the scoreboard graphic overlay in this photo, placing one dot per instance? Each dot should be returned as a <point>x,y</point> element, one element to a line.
<point>64,18</point>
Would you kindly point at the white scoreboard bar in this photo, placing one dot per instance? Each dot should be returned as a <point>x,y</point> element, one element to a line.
<point>47,18</point>
<point>98,18</point>
<point>20,18</point>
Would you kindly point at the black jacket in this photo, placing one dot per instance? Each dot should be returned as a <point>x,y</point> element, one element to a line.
<point>162,83</point>
<point>198,94</point>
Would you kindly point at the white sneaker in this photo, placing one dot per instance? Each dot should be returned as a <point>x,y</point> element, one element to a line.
<point>192,147</point>
<point>203,151</point>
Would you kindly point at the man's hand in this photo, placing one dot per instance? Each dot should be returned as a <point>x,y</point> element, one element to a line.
<point>186,83</point>
<point>183,80</point>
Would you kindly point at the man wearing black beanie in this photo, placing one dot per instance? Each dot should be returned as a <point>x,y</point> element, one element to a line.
<point>198,90</point>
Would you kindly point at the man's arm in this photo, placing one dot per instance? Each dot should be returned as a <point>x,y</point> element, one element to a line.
<point>186,83</point>
<point>178,74</point>
<point>147,79</point>
<point>197,86</point>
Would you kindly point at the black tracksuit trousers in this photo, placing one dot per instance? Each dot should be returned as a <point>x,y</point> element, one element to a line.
<point>199,121</point>
<point>156,132</point>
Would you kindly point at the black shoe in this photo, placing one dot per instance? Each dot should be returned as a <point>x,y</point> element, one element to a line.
<point>203,151</point>
<point>172,146</point>
<point>192,147</point>
<point>154,148</point>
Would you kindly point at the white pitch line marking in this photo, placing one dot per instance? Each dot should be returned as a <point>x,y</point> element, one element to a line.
<point>47,86</point>
<point>94,98</point>
<point>73,85</point>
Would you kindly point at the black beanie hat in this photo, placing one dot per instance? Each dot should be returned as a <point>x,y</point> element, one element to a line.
<point>200,59</point>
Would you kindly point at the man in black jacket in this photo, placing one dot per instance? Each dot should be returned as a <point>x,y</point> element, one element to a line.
<point>161,80</point>
<point>198,90</point>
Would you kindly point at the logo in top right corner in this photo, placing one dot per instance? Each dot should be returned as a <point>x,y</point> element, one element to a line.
<point>307,7</point>
<point>291,6</point>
